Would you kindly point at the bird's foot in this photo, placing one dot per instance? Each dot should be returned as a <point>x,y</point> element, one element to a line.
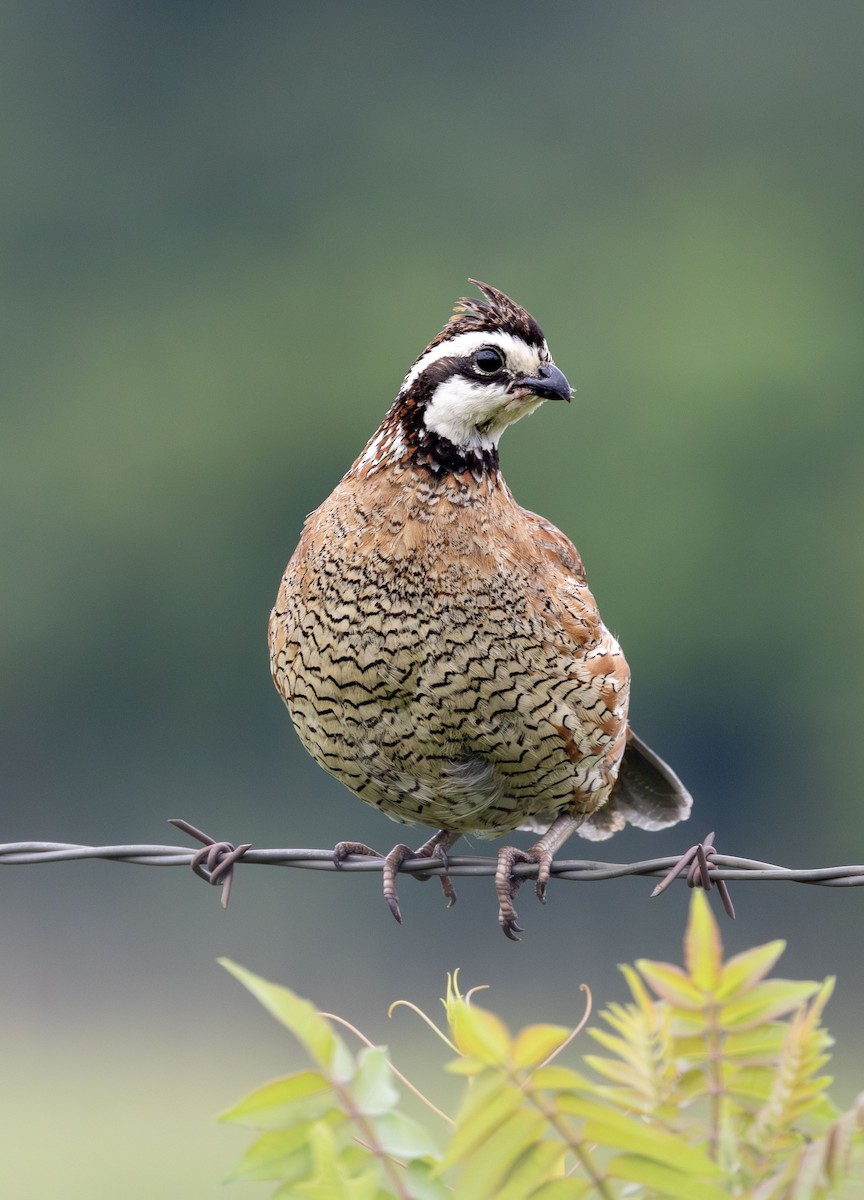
<point>507,884</point>
<point>342,849</point>
<point>437,848</point>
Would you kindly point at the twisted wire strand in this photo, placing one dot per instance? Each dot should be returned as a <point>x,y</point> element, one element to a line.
<point>726,867</point>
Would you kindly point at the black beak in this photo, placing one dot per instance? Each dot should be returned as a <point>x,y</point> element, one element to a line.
<point>549,382</point>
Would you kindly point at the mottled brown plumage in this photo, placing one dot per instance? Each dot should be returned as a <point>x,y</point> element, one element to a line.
<point>437,645</point>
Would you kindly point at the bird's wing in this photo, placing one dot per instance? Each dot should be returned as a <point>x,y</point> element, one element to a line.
<point>555,546</point>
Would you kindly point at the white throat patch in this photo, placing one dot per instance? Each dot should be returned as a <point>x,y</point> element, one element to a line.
<point>473,414</point>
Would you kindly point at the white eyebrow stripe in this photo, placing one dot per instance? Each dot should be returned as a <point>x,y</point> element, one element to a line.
<point>516,350</point>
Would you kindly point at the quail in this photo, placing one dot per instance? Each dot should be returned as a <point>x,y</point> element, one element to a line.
<point>437,645</point>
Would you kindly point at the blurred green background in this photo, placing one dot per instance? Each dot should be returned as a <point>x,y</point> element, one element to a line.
<point>227,231</point>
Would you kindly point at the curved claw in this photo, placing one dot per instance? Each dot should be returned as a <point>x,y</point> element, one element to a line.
<point>394,860</point>
<point>440,852</point>
<point>509,927</point>
<point>507,884</point>
<point>543,858</point>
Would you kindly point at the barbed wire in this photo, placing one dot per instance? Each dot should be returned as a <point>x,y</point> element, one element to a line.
<point>701,866</point>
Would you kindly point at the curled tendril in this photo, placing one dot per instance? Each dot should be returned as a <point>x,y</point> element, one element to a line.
<point>411,1087</point>
<point>583,987</point>
<point>423,1017</point>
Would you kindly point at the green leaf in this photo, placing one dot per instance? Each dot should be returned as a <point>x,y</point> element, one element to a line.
<point>332,1179</point>
<point>662,1180</point>
<point>403,1138</point>
<point>372,1086</point>
<point>671,984</point>
<point>622,1048</point>
<point>616,1129</point>
<point>490,1102</point>
<point>752,1082</point>
<point>301,1097</point>
<point>559,1079</point>
<point>423,1183</point>
<point>535,1043</point>
<point>301,1017</point>
<point>766,1001</point>
<point>703,949</point>
<point>644,1002</point>
<point>482,1175</point>
<point>618,1072</point>
<point>479,1034</point>
<point>742,971</point>
<point>574,1187</point>
<point>466,1066</point>
<point>761,1044</point>
<point>283,1155</point>
<point>845,1135</point>
<point>532,1170</point>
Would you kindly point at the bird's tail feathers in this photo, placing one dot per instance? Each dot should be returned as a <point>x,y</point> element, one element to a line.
<point>647,793</point>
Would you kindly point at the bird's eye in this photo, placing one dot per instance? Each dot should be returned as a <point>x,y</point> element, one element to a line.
<point>489,359</point>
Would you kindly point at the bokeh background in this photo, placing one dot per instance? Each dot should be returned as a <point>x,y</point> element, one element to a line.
<point>227,229</point>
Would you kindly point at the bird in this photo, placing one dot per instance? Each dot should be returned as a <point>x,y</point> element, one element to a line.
<point>437,645</point>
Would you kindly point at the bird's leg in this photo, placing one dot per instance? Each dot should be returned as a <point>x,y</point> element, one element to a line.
<point>436,847</point>
<point>542,852</point>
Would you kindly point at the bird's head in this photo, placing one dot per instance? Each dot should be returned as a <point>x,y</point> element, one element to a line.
<point>488,367</point>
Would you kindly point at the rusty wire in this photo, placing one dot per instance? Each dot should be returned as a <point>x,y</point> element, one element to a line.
<point>701,866</point>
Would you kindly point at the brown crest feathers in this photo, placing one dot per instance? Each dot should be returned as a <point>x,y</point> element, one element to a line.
<point>494,311</point>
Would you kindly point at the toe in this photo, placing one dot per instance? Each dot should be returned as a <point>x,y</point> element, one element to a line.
<point>342,850</point>
<point>394,860</point>
<point>544,864</point>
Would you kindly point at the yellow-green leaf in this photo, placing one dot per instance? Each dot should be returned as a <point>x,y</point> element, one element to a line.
<point>622,1048</point>
<point>423,1183</point>
<point>703,949</point>
<point>744,970</point>
<point>613,1128</point>
<point>301,1017</point>
<point>558,1079</point>
<point>372,1086</point>
<point>671,984</point>
<point>619,1072</point>
<point>479,1034</point>
<point>535,1043</point>
<point>574,1187</point>
<point>766,1001</point>
<point>333,1179</point>
<point>282,1155</point>
<point>663,1181</point>
<point>466,1066</point>
<point>304,1096</point>
<point>484,1173</point>
<point>532,1170</point>
<point>644,1002</point>
<point>757,1045</point>
<point>403,1138</point>
<point>490,1102</point>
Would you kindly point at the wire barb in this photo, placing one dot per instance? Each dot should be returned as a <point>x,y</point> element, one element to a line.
<point>215,863</point>
<point>699,864</point>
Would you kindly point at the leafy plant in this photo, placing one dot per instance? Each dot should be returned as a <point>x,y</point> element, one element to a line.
<point>710,1085</point>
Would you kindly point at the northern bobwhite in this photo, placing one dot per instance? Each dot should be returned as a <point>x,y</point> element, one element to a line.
<point>437,645</point>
